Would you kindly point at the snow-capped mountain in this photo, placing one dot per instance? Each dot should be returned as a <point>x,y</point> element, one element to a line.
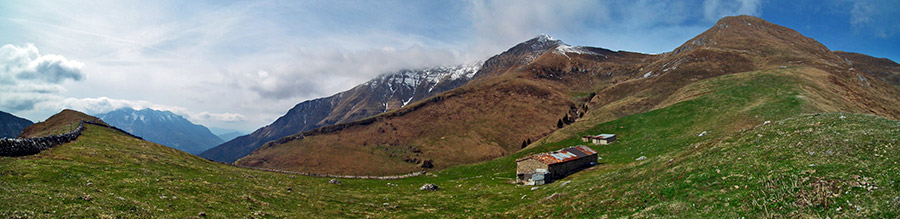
<point>383,93</point>
<point>163,127</point>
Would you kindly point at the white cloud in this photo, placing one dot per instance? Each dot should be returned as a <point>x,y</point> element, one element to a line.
<point>224,117</point>
<point>876,17</point>
<point>716,9</point>
<point>500,24</point>
<point>27,77</point>
<point>324,72</point>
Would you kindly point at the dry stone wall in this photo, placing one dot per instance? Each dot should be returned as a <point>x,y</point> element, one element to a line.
<point>14,147</point>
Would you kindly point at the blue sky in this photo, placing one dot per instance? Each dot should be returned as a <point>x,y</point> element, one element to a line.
<point>241,64</point>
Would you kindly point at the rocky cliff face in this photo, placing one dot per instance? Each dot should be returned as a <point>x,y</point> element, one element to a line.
<point>382,94</point>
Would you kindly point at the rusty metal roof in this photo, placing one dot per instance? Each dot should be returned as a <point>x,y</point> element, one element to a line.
<point>562,155</point>
<point>600,136</point>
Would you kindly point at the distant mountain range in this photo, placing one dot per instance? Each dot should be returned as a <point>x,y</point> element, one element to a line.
<point>163,127</point>
<point>11,125</point>
<point>382,94</point>
<point>230,135</point>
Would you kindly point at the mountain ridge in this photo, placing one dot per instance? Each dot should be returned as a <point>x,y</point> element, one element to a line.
<point>63,122</point>
<point>12,125</point>
<point>163,127</point>
<point>625,84</point>
<point>383,93</point>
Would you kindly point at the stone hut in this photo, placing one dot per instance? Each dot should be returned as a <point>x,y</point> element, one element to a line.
<point>599,139</point>
<point>546,167</point>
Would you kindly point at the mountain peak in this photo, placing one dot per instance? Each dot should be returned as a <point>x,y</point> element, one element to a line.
<point>751,34</point>
<point>742,19</point>
<point>541,42</point>
<point>545,37</point>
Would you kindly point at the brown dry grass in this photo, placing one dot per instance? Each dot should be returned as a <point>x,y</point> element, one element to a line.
<point>63,122</point>
<point>469,125</point>
<point>489,118</point>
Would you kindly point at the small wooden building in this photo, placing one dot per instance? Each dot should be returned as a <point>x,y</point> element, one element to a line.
<point>546,167</point>
<point>599,139</point>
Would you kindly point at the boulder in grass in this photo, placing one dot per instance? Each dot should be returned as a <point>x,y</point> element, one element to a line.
<point>429,187</point>
<point>334,181</point>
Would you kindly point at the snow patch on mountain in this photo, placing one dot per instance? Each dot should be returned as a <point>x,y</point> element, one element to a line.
<point>430,76</point>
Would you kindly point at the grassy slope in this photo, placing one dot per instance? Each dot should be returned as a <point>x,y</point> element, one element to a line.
<point>63,122</point>
<point>731,171</point>
<point>808,166</point>
<point>136,178</point>
<point>691,175</point>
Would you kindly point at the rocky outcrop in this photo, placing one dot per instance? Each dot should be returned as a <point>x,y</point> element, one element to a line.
<point>429,187</point>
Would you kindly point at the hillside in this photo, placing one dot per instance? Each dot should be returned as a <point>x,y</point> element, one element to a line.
<point>384,93</point>
<point>485,119</point>
<point>63,122</point>
<point>492,116</point>
<point>11,125</point>
<point>163,127</point>
<point>883,68</point>
<point>799,164</point>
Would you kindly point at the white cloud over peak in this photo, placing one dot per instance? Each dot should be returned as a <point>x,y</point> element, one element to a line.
<point>716,9</point>
<point>28,78</point>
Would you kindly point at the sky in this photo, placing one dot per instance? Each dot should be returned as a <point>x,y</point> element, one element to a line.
<point>242,64</point>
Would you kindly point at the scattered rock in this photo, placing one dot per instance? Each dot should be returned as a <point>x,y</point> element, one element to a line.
<point>641,158</point>
<point>564,183</point>
<point>89,184</point>
<point>702,134</point>
<point>427,164</point>
<point>85,197</point>
<point>120,198</point>
<point>767,122</point>
<point>335,181</point>
<point>842,117</point>
<point>535,188</point>
<point>552,196</point>
<point>202,214</point>
<point>429,187</point>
